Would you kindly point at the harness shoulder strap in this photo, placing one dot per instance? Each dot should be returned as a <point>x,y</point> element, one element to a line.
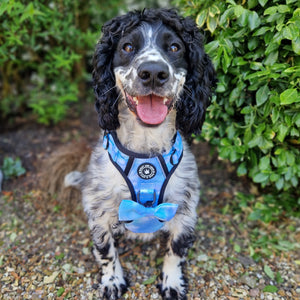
<point>146,177</point>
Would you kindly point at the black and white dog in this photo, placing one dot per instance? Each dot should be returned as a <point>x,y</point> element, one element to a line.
<point>152,81</point>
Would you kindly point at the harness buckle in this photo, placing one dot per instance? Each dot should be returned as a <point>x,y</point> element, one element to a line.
<point>146,197</point>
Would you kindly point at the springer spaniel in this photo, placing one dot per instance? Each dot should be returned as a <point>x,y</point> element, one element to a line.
<point>153,82</point>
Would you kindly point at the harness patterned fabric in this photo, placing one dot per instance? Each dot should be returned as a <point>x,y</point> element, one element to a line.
<point>147,178</point>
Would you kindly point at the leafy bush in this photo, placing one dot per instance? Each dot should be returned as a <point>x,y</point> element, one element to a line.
<point>254,120</point>
<point>12,168</point>
<point>44,49</point>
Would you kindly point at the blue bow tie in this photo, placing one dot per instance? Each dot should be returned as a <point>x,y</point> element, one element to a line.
<point>145,219</point>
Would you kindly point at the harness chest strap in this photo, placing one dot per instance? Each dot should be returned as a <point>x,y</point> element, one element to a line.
<point>147,178</point>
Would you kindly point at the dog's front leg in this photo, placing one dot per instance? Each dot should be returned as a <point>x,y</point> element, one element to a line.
<point>174,284</point>
<point>112,283</point>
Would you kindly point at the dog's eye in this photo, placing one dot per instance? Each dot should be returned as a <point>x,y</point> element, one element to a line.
<point>128,47</point>
<point>174,47</point>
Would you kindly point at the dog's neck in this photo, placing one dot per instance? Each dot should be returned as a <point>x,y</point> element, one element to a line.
<point>145,139</point>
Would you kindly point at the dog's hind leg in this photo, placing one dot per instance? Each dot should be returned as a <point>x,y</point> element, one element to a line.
<point>112,282</point>
<point>174,284</point>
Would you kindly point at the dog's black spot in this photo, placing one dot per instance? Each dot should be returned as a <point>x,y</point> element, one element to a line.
<point>103,250</point>
<point>181,245</point>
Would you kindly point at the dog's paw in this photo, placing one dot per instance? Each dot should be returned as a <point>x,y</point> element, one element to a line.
<point>173,287</point>
<point>169,293</point>
<point>112,288</point>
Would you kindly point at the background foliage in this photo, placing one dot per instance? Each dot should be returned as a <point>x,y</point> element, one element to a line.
<point>45,48</point>
<point>254,119</point>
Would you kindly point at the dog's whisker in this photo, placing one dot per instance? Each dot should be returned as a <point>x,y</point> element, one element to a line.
<point>107,91</point>
<point>117,99</point>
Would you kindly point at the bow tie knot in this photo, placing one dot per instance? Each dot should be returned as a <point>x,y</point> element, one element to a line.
<point>145,219</point>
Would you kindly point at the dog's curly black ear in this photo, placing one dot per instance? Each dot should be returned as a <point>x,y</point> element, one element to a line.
<point>105,90</point>
<point>199,84</point>
<point>104,83</point>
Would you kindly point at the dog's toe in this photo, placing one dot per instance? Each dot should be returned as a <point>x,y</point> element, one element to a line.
<point>113,289</point>
<point>169,293</point>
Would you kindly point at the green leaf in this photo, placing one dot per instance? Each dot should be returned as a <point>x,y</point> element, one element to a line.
<point>282,132</point>
<point>283,9</point>
<point>226,60</point>
<point>289,96</point>
<point>296,45</point>
<point>264,163</point>
<point>150,280</point>
<point>279,278</point>
<point>253,20</point>
<point>226,16</point>
<point>255,215</point>
<point>255,141</point>
<point>262,95</point>
<point>262,2</point>
<point>247,110</point>
<point>273,46</point>
<point>279,183</point>
<point>234,95</point>
<point>260,177</point>
<point>270,10</point>
<point>238,10</point>
<point>30,12</point>
<point>211,23</point>
<point>271,58</point>
<point>214,10</point>
<point>237,248</point>
<point>60,291</point>
<point>261,30</point>
<point>211,47</point>
<point>275,115</point>
<point>201,17</point>
<point>269,272</point>
<point>12,168</point>
<point>270,289</point>
<point>242,169</point>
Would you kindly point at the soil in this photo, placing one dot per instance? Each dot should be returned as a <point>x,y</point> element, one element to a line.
<point>44,250</point>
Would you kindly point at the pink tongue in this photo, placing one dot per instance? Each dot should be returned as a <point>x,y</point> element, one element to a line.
<point>151,109</point>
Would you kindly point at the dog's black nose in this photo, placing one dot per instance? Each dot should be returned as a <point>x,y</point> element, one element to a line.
<point>153,73</point>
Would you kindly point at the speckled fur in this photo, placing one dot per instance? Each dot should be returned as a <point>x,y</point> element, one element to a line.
<point>103,187</point>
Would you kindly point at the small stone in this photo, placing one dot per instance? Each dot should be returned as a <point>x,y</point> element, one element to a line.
<point>248,280</point>
<point>202,257</point>
<point>51,278</point>
<point>254,292</point>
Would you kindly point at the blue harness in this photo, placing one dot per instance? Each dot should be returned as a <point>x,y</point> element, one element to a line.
<point>147,178</point>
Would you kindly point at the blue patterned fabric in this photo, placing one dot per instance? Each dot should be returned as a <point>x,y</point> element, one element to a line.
<point>145,219</point>
<point>147,178</point>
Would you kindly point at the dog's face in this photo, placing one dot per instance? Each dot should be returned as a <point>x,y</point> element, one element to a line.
<point>150,68</point>
<point>157,60</point>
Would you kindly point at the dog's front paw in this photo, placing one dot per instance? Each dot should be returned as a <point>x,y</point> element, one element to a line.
<point>169,293</point>
<point>112,288</point>
<point>174,292</point>
<point>174,286</point>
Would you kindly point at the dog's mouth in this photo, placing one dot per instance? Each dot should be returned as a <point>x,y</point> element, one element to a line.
<point>150,109</point>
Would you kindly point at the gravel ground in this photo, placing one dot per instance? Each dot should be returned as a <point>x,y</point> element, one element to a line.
<point>47,256</point>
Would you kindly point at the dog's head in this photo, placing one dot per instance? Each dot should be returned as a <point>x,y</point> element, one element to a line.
<point>156,60</point>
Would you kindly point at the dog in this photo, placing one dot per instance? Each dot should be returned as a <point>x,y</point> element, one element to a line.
<point>153,82</point>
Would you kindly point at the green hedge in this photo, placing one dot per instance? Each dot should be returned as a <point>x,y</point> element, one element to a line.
<point>254,120</point>
<point>45,47</point>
